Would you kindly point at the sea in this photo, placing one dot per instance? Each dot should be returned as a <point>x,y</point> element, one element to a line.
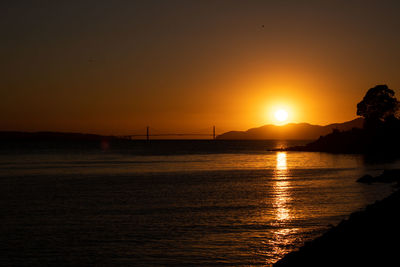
<point>175,202</point>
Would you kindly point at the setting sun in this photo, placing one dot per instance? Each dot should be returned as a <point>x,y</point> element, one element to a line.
<point>281,115</point>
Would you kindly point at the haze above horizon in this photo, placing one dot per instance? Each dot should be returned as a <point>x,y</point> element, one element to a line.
<point>112,67</point>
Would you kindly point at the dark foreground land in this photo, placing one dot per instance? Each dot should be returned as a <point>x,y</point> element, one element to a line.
<point>368,238</point>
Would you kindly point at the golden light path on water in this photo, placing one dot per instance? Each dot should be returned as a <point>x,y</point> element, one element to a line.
<point>282,238</point>
<point>281,194</point>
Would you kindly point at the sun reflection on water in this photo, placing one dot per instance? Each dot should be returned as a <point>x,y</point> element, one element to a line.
<point>281,186</point>
<point>281,161</point>
<point>282,239</point>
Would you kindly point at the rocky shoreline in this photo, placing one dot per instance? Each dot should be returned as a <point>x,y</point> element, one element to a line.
<point>368,238</point>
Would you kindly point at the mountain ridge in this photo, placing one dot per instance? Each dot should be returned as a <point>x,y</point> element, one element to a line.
<point>290,131</point>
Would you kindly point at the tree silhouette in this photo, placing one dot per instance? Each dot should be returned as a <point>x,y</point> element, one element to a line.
<point>379,139</point>
<point>378,104</point>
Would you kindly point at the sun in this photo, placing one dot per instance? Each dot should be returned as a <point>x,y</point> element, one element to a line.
<point>281,115</point>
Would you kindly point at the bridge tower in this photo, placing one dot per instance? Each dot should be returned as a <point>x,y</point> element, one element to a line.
<point>214,132</point>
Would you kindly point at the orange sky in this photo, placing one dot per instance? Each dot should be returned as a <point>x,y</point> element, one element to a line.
<point>113,68</point>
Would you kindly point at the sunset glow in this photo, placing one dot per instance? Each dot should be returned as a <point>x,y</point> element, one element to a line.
<point>200,132</point>
<point>228,71</point>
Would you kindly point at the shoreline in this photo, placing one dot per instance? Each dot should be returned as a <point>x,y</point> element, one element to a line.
<point>367,238</point>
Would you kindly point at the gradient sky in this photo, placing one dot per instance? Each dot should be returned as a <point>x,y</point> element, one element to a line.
<point>113,67</point>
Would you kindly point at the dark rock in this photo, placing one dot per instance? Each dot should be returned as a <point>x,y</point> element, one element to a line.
<point>367,179</point>
<point>389,176</point>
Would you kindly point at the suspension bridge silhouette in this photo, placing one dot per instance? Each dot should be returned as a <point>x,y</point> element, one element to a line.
<point>158,133</point>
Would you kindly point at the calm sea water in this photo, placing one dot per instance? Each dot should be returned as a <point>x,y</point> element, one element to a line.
<point>174,202</point>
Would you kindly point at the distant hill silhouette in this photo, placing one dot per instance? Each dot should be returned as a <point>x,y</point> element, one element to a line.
<point>50,136</point>
<point>291,131</point>
<point>381,141</point>
<point>33,140</point>
<point>379,136</point>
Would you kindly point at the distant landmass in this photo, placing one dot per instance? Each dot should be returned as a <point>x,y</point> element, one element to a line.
<point>49,140</point>
<point>291,131</point>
